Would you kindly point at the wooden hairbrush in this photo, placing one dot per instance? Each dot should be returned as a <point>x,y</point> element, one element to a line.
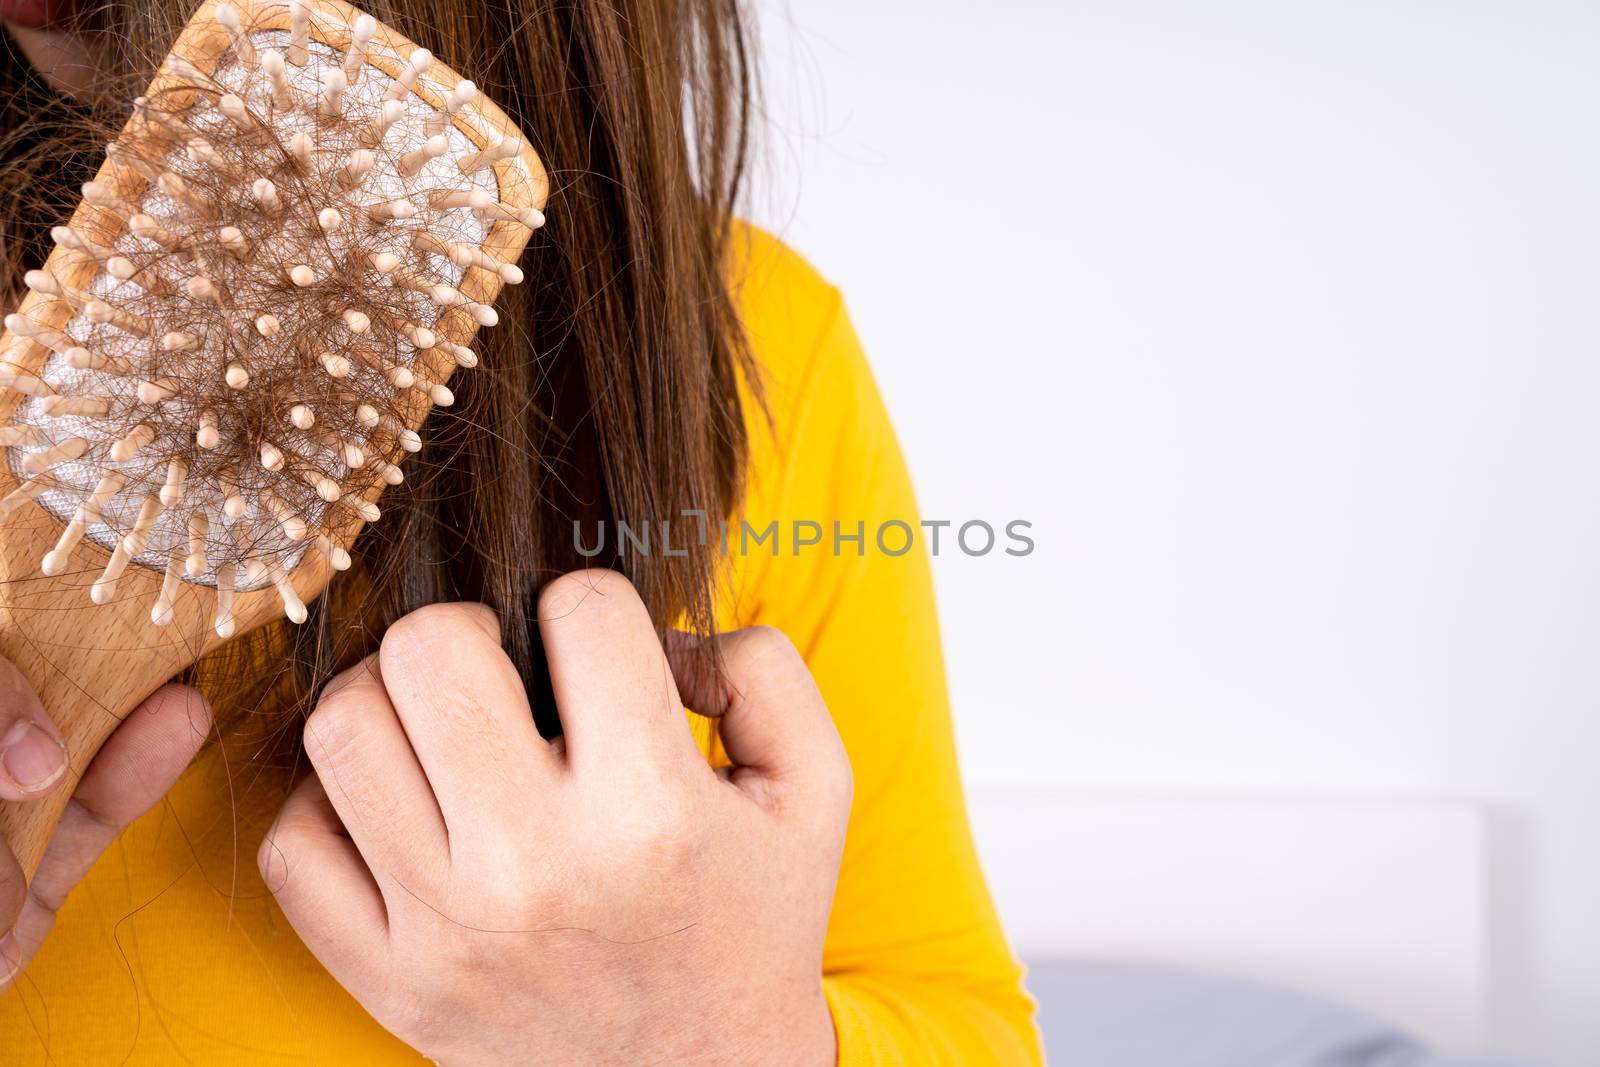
<point>230,350</point>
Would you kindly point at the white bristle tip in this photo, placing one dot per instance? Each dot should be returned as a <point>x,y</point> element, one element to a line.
<point>303,275</point>
<point>365,508</point>
<point>233,106</point>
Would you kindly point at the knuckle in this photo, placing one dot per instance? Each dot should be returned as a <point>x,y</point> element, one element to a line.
<point>829,788</point>
<point>764,655</point>
<point>335,724</point>
<point>583,594</point>
<point>467,957</point>
<point>839,779</point>
<point>517,896</point>
<point>434,624</point>
<point>419,1012</point>
<point>661,831</point>
<point>766,644</point>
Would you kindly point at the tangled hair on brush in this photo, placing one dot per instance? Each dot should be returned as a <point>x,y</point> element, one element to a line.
<point>609,391</point>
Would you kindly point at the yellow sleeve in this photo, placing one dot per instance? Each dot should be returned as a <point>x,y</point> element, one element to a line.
<point>917,968</point>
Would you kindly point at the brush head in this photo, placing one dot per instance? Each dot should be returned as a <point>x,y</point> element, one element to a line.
<point>264,291</point>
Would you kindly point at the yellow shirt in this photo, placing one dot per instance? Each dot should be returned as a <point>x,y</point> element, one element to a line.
<point>173,952</point>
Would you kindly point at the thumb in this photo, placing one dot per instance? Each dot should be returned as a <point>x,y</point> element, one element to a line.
<point>32,757</point>
<point>133,770</point>
<point>139,763</point>
<point>773,721</point>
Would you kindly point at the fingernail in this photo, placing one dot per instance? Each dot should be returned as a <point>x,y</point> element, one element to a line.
<point>31,756</point>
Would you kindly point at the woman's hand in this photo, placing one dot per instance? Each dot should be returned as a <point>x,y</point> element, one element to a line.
<point>137,766</point>
<point>492,898</point>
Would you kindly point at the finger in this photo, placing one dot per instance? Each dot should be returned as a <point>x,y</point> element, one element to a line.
<point>772,718</point>
<point>613,686</point>
<point>365,762</point>
<point>464,708</point>
<point>136,767</point>
<point>13,891</point>
<point>314,870</point>
<point>32,756</point>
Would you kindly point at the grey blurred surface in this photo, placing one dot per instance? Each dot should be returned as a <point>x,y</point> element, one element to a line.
<point>1102,1015</point>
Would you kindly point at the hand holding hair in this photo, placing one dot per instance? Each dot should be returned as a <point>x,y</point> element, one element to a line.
<point>491,897</point>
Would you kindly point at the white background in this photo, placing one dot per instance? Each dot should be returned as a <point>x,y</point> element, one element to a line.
<point>1279,321</point>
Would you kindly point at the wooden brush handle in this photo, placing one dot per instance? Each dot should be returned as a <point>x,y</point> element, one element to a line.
<point>92,664</point>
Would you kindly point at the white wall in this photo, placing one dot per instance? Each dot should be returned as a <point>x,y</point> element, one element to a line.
<point>1281,321</point>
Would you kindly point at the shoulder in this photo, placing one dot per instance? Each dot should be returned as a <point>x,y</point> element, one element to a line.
<point>814,407</point>
<point>821,445</point>
<point>787,306</point>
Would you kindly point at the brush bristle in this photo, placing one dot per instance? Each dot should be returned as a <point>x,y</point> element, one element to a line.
<point>242,372</point>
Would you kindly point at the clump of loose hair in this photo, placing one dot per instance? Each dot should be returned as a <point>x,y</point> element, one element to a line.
<point>609,392</point>
<point>265,288</point>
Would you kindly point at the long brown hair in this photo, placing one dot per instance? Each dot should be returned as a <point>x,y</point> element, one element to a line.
<point>609,393</point>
